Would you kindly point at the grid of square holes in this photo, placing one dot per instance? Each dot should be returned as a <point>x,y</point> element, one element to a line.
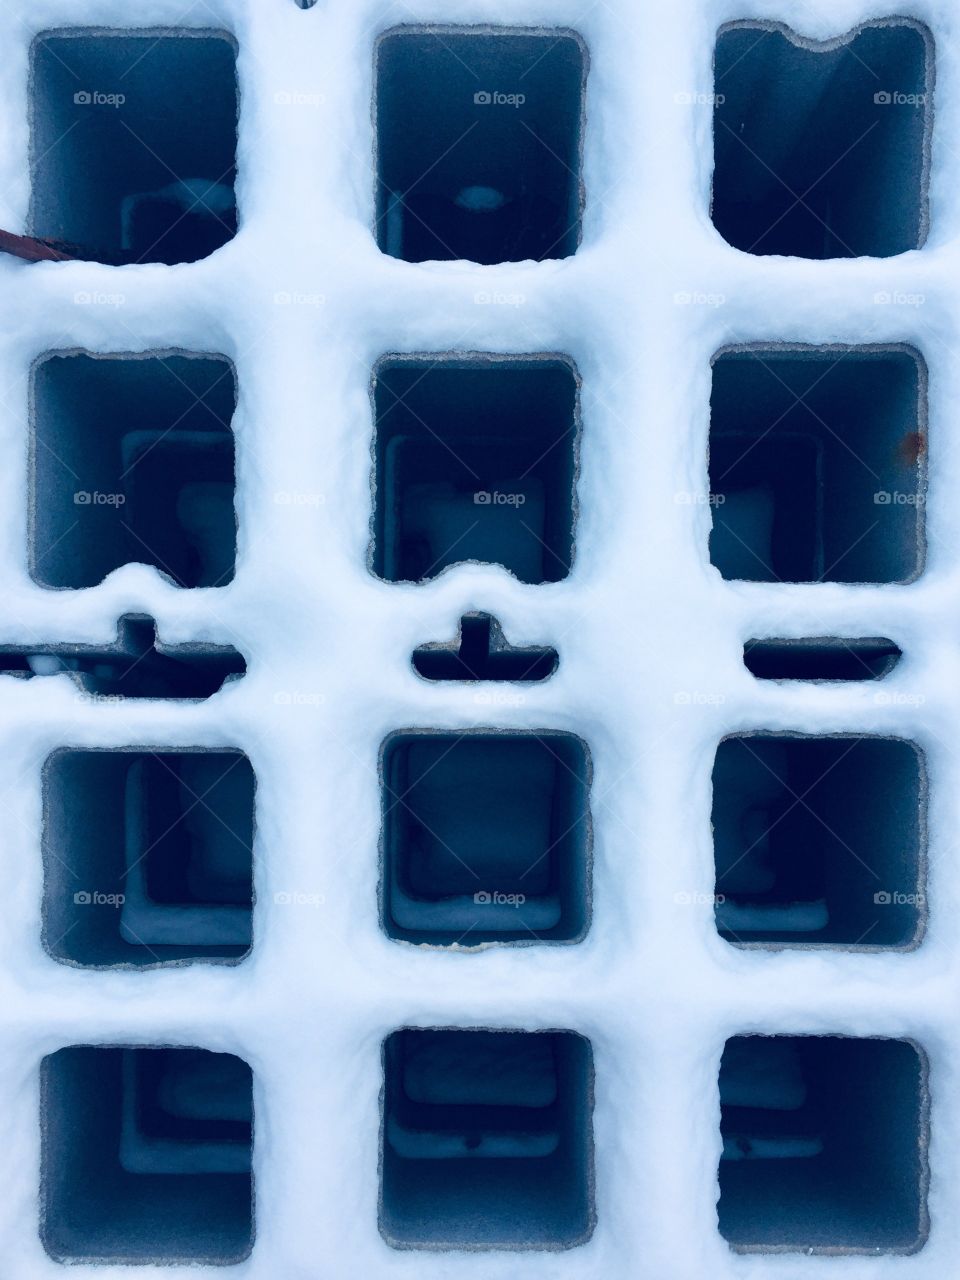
<point>816,438</point>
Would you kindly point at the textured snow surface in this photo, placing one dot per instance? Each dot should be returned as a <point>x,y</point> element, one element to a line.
<point>650,638</point>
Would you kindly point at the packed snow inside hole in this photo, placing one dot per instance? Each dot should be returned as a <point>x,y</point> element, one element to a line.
<point>820,149</point>
<point>148,856</point>
<point>134,140</point>
<point>487,1139</point>
<point>136,665</point>
<point>825,658</point>
<point>481,652</point>
<point>824,1144</point>
<point>133,461</point>
<point>819,840</point>
<point>475,459</point>
<point>486,837</point>
<point>478,144</point>
<point>146,1155</point>
<point>817,463</point>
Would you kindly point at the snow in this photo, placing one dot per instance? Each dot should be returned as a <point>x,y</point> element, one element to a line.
<point>650,640</point>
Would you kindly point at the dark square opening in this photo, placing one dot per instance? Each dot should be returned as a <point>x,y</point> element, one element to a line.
<point>487,1140</point>
<point>486,837</point>
<point>817,463</point>
<point>819,840</point>
<point>824,1144</point>
<point>476,460</point>
<point>146,1155</point>
<point>133,460</point>
<point>148,856</point>
<point>821,147</point>
<point>478,143</point>
<point>134,140</point>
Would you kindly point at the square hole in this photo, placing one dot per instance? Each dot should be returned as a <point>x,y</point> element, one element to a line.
<point>479,143</point>
<point>817,463</point>
<point>821,148</point>
<point>486,837</point>
<point>824,1144</point>
<point>819,840</point>
<point>147,856</point>
<point>487,1140</point>
<point>132,460</point>
<point>146,1155</point>
<point>134,140</point>
<point>476,460</point>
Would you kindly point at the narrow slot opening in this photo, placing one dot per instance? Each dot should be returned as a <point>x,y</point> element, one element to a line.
<point>475,460</point>
<point>822,658</point>
<point>134,140</point>
<point>136,665</point>
<point>486,837</point>
<point>481,652</point>
<point>821,148</point>
<point>819,840</point>
<point>824,1144</point>
<point>148,856</point>
<point>133,461</point>
<point>487,1140</point>
<point>478,143</point>
<point>818,463</point>
<point>146,1155</point>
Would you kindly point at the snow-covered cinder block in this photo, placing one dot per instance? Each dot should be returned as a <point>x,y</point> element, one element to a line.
<point>478,639</point>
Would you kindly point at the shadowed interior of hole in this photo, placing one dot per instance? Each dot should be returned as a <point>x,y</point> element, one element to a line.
<point>136,665</point>
<point>133,460</point>
<point>120,123</point>
<point>818,840</point>
<point>823,1143</point>
<point>146,1155</point>
<point>487,1139</point>
<point>486,838</point>
<point>475,460</point>
<point>816,464</point>
<point>148,856</point>
<point>819,153</point>
<point>826,658</point>
<point>483,654</point>
<point>478,145</point>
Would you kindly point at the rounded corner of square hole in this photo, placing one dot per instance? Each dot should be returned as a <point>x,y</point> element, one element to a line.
<point>822,147</point>
<point>824,1144</point>
<point>137,871</point>
<point>134,142</point>
<point>820,841</point>
<point>132,460</point>
<point>476,458</point>
<point>817,463</point>
<point>487,837</point>
<point>487,1139</point>
<point>479,139</point>
<point>146,1155</point>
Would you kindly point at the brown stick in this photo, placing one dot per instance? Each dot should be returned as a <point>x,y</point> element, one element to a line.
<point>31,249</point>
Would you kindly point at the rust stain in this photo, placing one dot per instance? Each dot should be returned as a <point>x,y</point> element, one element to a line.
<point>911,448</point>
